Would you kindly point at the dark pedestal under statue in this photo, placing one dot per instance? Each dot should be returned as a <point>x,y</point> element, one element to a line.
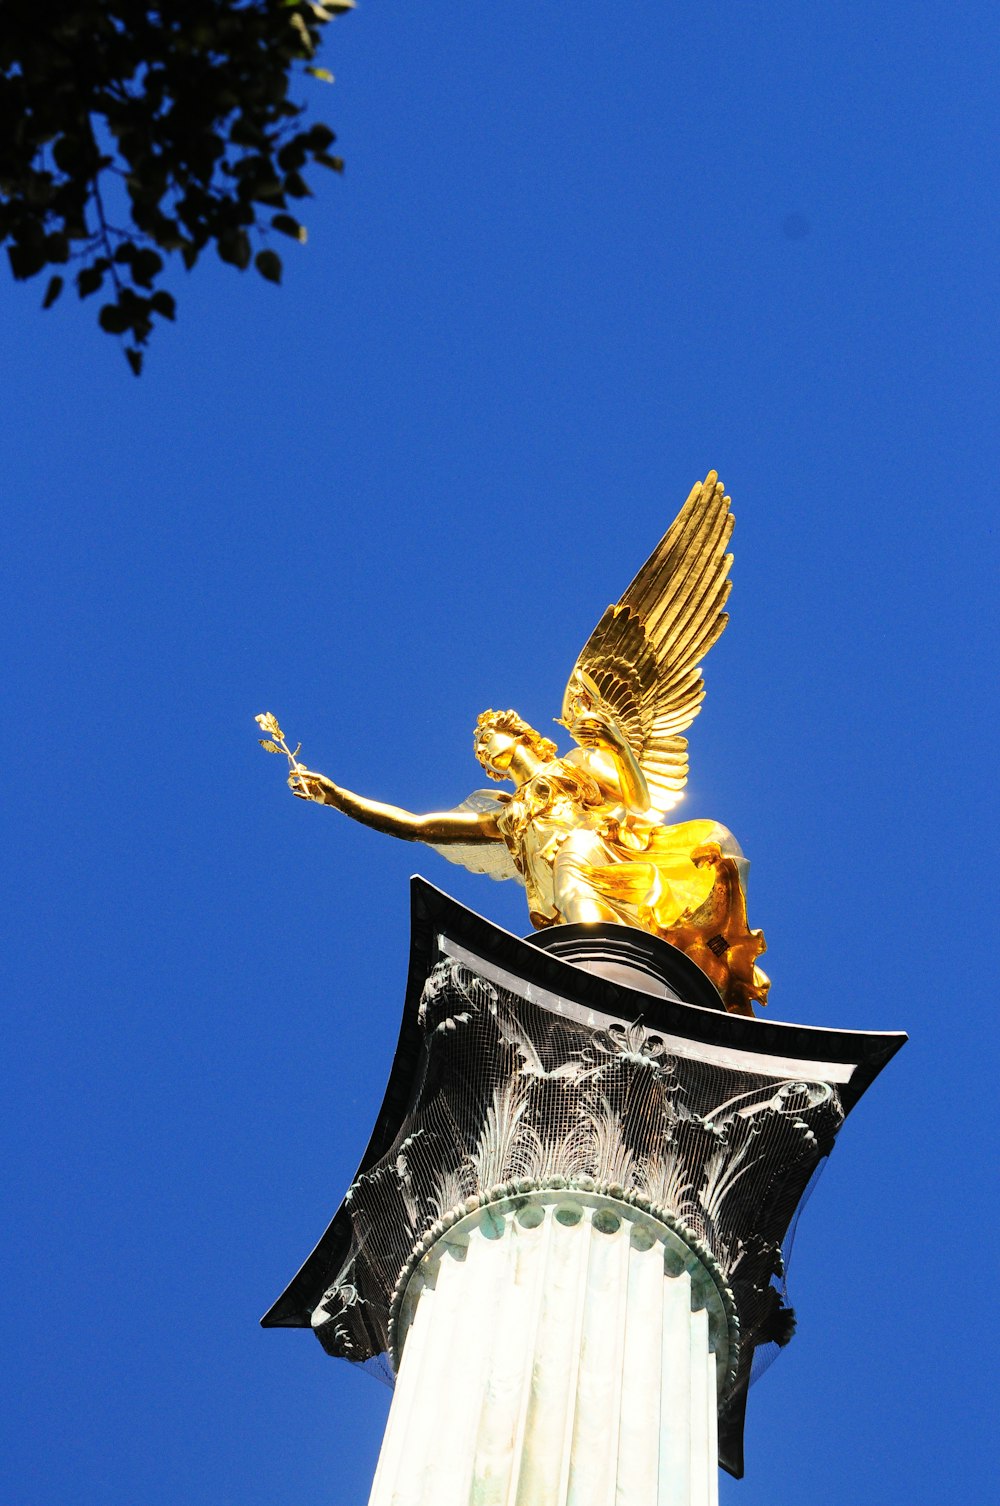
<point>583,1099</point>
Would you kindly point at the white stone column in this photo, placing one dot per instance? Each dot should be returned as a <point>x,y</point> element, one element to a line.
<point>557,1348</point>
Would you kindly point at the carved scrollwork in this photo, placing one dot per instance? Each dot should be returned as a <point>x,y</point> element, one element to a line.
<point>630,1042</point>
<point>512,1094</point>
<point>452,996</point>
<point>338,1320</point>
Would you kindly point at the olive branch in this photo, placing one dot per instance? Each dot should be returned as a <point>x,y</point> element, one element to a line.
<point>268,722</point>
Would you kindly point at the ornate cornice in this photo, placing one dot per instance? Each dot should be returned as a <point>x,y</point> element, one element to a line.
<point>522,1075</point>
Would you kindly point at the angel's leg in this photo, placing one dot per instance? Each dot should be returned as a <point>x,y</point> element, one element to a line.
<point>576,899</point>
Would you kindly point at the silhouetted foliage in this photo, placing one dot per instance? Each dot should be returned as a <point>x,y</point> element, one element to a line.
<point>131,133</point>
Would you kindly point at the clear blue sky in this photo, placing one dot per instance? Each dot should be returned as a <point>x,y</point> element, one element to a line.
<point>580,255</point>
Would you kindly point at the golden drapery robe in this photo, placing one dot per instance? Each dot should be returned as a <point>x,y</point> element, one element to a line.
<point>581,857</point>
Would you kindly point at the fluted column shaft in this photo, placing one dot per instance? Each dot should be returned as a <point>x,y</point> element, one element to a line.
<point>557,1349</point>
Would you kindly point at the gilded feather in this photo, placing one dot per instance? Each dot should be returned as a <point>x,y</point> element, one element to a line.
<point>639,666</point>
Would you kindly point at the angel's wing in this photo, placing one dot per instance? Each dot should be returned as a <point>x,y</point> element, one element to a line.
<point>640,664</point>
<point>492,858</point>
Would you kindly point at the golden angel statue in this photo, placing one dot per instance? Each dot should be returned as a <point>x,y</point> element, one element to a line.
<point>586,834</point>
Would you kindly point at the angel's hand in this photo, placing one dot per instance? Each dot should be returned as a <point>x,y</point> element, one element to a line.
<point>310,786</point>
<point>592,731</point>
<point>588,731</point>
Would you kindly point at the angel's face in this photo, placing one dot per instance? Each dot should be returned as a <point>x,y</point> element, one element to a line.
<point>495,749</point>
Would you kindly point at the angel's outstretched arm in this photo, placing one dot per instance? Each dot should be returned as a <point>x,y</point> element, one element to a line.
<point>439,827</point>
<point>611,747</point>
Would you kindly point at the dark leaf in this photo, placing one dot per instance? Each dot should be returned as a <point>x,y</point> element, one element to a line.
<point>25,261</point>
<point>89,279</point>
<point>167,233</point>
<point>56,248</point>
<point>289,226</point>
<point>256,167</point>
<point>191,109</point>
<point>268,264</point>
<point>113,319</point>
<point>234,247</point>
<point>293,155</point>
<point>244,132</point>
<point>304,35</point>
<point>145,265</point>
<point>266,190</point>
<point>297,186</point>
<point>39,189</point>
<point>68,155</point>
<point>319,137</point>
<point>134,359</point>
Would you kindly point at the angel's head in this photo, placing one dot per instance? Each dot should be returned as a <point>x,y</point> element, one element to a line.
<point>499,735</point>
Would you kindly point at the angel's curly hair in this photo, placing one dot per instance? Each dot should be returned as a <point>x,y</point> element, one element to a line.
<point>509,721</point>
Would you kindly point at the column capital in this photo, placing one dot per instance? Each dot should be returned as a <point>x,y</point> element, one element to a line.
<point>595,1062</point>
